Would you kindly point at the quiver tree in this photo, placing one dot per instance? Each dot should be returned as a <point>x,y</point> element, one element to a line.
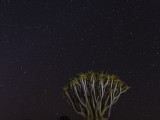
<point>92,95</point>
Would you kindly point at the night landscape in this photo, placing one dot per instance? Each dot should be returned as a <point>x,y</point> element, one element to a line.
<point>77,59</point>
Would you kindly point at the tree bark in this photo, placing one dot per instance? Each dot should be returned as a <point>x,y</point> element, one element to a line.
<point>92,118</point>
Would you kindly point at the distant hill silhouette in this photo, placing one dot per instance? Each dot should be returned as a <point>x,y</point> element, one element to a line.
<point>63,117</point>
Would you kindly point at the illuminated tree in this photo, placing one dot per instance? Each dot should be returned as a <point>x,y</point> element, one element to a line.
<point>92,95</point>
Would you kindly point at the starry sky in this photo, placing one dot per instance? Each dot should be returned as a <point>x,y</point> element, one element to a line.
<point>45,43</point>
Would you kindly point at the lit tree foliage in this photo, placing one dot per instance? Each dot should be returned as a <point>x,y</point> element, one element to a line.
<point>93,94</point>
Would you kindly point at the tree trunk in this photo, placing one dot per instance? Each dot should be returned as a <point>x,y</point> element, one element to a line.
<point>92,118</point>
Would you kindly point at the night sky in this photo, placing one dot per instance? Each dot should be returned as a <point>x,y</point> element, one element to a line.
<point>45,43</point>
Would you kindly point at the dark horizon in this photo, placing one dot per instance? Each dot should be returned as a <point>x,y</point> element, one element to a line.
<point>45,43</point>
